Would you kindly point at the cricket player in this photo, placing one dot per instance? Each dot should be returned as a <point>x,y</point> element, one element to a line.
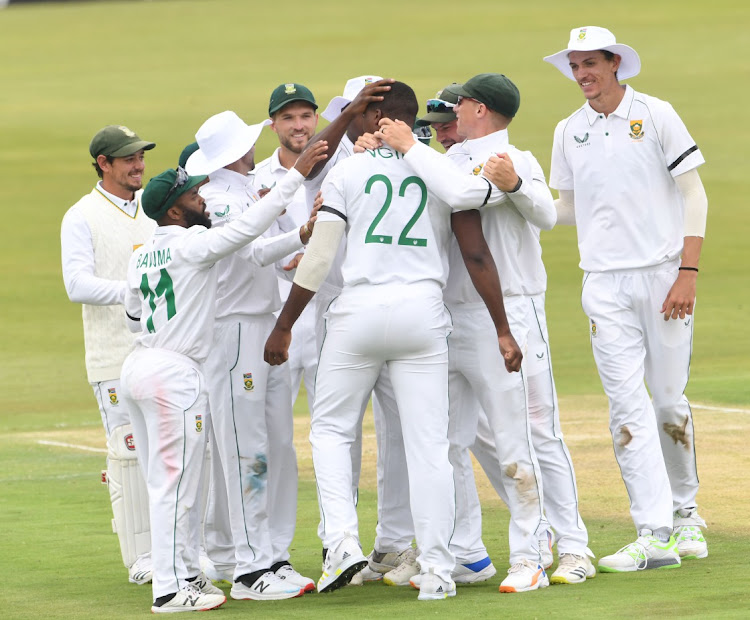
<point>251,403</point>
<point>171,296</point>
<point>390,312</point>
<point>486,105</point>
<point>98,235</point>
<point>626,169</point>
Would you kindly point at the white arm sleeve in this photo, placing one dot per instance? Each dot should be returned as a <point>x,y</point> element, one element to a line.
<point>566,208</point>
<point>447,182</point>
<point>533,199</point>
<point>696,203</point>
<point>266,251</point>
<point>319,255</point>
<point>81,284</point>
<point>208,246</point>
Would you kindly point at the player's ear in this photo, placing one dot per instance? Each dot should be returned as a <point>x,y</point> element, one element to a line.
<point>103,163</point>
<point>174,213</point>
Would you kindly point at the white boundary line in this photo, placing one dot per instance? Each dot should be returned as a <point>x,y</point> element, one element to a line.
<point>60,444</point>
<point>722,409</point>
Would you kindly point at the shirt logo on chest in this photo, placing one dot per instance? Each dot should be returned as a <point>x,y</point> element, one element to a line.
<point>223,213</point>
<point>636,130</point>
<point>582,140</point>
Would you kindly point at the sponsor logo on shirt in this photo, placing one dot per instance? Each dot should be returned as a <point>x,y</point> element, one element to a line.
<point>636,130</point>
<point>582,140</point>
<point>223,213</point>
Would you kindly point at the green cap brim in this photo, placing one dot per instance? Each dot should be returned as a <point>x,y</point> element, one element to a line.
<point>132,148</point>
<point>436,117</point>
<point>286,102</point>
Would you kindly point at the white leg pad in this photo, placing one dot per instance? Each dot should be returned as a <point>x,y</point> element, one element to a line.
<point>129,496</point>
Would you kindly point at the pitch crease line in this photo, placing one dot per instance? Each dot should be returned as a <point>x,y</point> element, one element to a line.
<point>723,409</point>
<point>60,444</point>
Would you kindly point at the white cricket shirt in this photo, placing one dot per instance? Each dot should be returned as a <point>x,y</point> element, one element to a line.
<point>172,281</point>
<point>397,232</point>
<point>247,279</point>
<point>629,211</point>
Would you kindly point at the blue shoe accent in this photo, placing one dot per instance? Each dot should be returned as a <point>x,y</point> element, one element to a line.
<point>478,565</point>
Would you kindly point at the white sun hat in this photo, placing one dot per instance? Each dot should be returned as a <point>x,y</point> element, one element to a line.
<point>589,38</point>
<point>351,90</point>
<point>222,139</point>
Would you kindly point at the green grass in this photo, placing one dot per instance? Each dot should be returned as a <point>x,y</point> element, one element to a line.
<point>162,68</point>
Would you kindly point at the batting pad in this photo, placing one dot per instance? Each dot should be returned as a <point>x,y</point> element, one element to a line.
<point>128,494</point>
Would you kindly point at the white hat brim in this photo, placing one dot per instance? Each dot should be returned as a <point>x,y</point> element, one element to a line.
<point>334,107</point>
<point>240,143</point>
<point>630,63</point>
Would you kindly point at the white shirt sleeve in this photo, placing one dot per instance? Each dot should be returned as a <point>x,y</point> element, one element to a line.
<point>533,199</point>
<point>267,250</point>
<point>207,246</point>
<point>560,174</point>
<point>459,190</point>
<point>81,284</point>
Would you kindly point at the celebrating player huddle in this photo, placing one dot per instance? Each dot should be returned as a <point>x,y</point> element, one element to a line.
<point>429,285</point>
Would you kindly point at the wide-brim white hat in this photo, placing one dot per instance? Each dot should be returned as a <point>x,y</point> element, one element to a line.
<point>351,90</point>
<point>222,139</point>
<point>589,38</point>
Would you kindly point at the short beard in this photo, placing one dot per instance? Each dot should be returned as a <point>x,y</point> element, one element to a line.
<point>197,219</point>
<point>287,144</point>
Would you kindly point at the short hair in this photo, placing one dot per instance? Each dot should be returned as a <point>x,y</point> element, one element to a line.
<point>398,103</point>
<point>99,171</point>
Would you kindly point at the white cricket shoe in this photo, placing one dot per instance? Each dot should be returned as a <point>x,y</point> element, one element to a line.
<point>203,584</point>
<point>434,588</point>
<point>291,576</point>
<point>573,569</point>
<point>687,532</point>
<point>267,587</point>
<point>189,598</point>
<point>341,564</point>
<point>546,543</point>
<point>645,553</point>
<point>525,576</point>
<point>367,574</point>
<point>406,568</point>
<point>141,570</point>
<point>214,573</point>
<point>474,572</point>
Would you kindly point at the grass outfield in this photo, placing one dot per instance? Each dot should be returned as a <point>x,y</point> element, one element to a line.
<point>162,68</point>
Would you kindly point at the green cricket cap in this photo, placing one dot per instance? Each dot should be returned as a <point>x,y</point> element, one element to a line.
<point>494,90</point>
<point>162,191</point>
<point>440,109</point>
<point>186,153</point>
<point>117,141</point>
<point>287,93</point>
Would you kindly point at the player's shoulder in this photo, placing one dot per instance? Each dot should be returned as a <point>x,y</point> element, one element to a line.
<point>570,121</point>
<point>653,105</point>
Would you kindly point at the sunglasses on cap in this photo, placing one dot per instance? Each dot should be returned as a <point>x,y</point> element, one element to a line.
<point>438,105</point>
<point>182,178</point>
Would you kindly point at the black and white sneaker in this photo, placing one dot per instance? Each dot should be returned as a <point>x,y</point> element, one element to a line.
<point>264,587</point>
<point>187,598</point>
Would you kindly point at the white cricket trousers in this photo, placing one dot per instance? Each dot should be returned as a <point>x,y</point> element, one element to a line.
<point>251,414</point>
<point>303,356</point>
<point>478,375</point>
<point>631,341</point>
<point>168,401</point>
<point>558,475</point>
<point>403,327</point>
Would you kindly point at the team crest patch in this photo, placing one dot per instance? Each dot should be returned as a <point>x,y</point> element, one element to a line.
<point>129,442</point>
<point>290,89</point>
<point>636,130</point>
<point>368,80</point>
<point>113,396</point>
<point>248,379</point>
<point>477,170</point>
<point>129,133</point>
<point>582,34</point>
<point>198,422</point>
<point>593,328</point>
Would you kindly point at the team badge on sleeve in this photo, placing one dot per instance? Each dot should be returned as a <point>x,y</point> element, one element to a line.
<point>636,130</point>
<point>248,379</point>
<point>113,396</point>
<point>198,422</point>
<point>593,328</point>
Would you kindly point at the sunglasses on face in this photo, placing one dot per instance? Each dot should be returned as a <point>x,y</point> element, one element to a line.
<point>438,105</point>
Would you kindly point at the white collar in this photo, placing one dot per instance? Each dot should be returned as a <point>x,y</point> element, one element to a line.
<point>126,206</point>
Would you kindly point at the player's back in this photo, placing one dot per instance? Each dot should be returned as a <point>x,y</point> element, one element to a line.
<point>397,231</point>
